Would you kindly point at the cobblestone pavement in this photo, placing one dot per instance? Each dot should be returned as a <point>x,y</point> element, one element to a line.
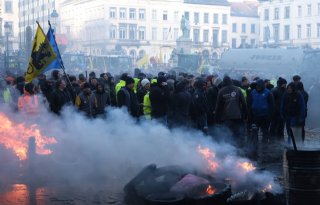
<point>111,192</point>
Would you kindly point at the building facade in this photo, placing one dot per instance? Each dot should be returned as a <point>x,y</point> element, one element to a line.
<point>9,17</point>
<point>290,23</point>
<point>31,11</point>
<point>142,27</point>
<point>244,25</point>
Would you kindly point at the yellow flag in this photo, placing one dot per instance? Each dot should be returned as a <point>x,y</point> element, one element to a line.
<point>42,55</point>
<point>143,62</point>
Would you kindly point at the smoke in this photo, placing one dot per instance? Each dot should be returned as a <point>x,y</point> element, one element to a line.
<point>117,148</point>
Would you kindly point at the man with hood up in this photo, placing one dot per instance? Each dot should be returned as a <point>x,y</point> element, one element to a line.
<point>231,108</point>
<point>261,108</point>
<point>200,107</point>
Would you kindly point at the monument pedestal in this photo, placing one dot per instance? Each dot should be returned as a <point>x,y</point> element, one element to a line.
<point>184,45</point>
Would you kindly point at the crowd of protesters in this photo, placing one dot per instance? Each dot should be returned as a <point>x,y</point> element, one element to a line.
<point>245,106</point>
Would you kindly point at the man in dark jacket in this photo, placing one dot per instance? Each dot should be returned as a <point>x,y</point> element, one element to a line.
<point>85,101</point>
<point>212,95</point>
<point>277,123</point>
<point>231,108</point>
<point>103,80</point>
<point>261,108</point>
<point>200,107</point>
<point>293,111</point>
<point>60,97</point>
<point>300,88</point>
<point>101,101</point>
<point>113,96</point>
<point>181,101</point>
<point>159,98</point>
<point>127,98</point>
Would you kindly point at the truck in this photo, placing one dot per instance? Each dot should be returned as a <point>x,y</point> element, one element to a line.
<point>275,61</point>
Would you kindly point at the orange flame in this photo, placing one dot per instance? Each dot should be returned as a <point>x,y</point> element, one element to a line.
<point>247,167</point>
<point>15,136</point>
<point>209,156</point>
<point>210,190</point>
<point>268,188</point>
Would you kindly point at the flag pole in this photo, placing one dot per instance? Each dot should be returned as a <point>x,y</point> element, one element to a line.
<point>61,64</point>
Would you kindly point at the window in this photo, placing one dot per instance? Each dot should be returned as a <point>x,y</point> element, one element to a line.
<point>309,9</point>
<point>165,15</point>
<point>224,19</point>
<point>216,18</point>
<point>243,28</point>
<point>205,36</point>
<point>196,18</point>
<point>154,15</point>
<point>186,15</point>
<point>154,34</point>
<point>142,14</point>
<point>224,36</point>
<point>286,32</point>
<point>309,30</point>
<point>276,13</point>
<point>253,42</point>
<point>206,18</point>
<point>132,31</point>
<point>234,28</point>
<point>234,43</point>
<point>215,38</point>
<point>287,12</point>
<point>142,33</point>
<point>123,14</point>
<point>276,32</point>
<point>113,32</point>
<point>196,35</point>
<point>112,13</point>
<point>253,28</point>
<point>318,30</point>
<point>176,33</point>
<point>299,11</point>
<point>299,31</point>
<point>176,16</point>
<point>266,33</point>
<point>122,32</point>
<point>132,13</point>
<point>165,34</point>
<point>266,14</point>
<point>8,6</point>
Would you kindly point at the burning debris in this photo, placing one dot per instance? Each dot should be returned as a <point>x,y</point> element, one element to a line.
<point>15,136</point>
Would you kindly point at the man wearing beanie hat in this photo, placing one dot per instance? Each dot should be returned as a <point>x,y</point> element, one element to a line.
<point>277,123</point>
<point>231,109</point>
<point>142,91</point>
<point>159,98</point>
<point>127,98</point>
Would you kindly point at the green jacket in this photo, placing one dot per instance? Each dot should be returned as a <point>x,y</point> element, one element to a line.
<point>147,106</point>
<point>136,82</point>
<point>120,85</point>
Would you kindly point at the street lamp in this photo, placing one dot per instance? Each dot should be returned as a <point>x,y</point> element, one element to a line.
<point>54,17</point>
<point>7,30</point>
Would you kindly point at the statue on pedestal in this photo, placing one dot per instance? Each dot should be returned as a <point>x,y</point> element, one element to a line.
<point>185,27</point>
